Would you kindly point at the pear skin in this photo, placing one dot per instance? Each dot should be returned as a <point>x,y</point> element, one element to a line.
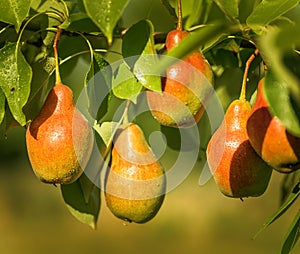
<point>186,87</point>
<point>135,184</point>
<point>59,140</point>
<point>269,137</point>
<point>237,169</point>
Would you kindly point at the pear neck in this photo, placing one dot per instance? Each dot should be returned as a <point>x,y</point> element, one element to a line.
<point>61,98</point>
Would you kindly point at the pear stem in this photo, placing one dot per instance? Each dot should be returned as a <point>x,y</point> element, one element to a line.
<point>248,63</point>
<point>125,119</point>
<point>179,21</point>
<point>55,44</point>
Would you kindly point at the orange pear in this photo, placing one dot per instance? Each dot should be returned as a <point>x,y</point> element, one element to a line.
<point>135,184</point>
<point>237,169</point>
<point>185,89</point>
<point>59,140</point>
<point>269,137</point>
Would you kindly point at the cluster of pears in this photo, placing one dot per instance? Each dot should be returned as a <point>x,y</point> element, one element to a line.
<point>135,183</point>
<point>186,87</point>
<point>59,140</point>
<point>248,145</point>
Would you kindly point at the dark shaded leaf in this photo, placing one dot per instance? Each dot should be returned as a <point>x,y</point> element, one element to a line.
<point>230,8</point>
<point>40,86</point>
<point>292,236</point>
<point>83,200</point>
<point>97,87</point>
<point>282,209</point>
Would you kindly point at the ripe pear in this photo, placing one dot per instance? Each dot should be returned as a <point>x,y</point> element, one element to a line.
<point>59,140</point>
<point>186,87</point>
<point>237,169</point>
<point>269,137</point>
<point>135,184</point>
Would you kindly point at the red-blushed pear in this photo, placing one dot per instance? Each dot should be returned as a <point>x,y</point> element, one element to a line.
<point>269,137</point>
<point>59,140</point>
<point>135,183</point>
<point>237,169</point>
<point>185,88</point>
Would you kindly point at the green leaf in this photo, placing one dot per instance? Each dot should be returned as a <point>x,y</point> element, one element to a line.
<point>2,106</point>
<point>230,8</point>
<point>277,49</point>
<point>133,45</point>
<point>15,78</point>
<point>140,55</point>
<point>199,14</point>
<point>97,85</point>
<point>105,14</point>
<point>53,7</point>
<point>292,236</point>
<point>282,209</point>
<point>269,10</point>
<point>106,131</point>
<point>209,34</point>
<point>83,200</point>
<point>80,22</point>
<point>169,8</point>
<point>42,71</point>
<point>125,84</point>
<point>276,90</point>
<point>287,184</point>
<point>14,11</point>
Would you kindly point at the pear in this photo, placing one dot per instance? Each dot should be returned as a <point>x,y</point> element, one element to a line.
<point>59,140</point>
<point>269,137</point>
<point>237,169</point>
<point>135,183</point>
<point>186,87</point>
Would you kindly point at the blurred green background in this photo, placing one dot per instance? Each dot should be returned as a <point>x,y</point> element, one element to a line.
<point>193,218</point>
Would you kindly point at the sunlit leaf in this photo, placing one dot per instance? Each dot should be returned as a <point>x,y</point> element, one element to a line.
<point>14,11</point>
<point>125,84</point>
<point>2,106</point>
<point>15,78</point>
<point>292,236</point>
<point>83,200</point>
<point>282,209</point>
<point>106,130</point>
<point>276,90</point>
<point>105,14</point>
<point>269,10</point>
